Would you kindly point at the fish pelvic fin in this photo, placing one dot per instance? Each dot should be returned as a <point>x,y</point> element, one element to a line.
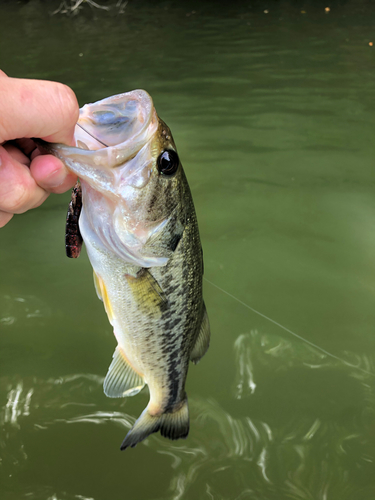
<point>173,424</point>
<point>122,380</point>
<point>203,340</point>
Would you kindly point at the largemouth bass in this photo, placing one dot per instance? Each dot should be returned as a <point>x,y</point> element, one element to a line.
<point>141,233</point>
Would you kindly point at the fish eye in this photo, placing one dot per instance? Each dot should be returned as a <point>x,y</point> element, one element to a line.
<point>168,162</point>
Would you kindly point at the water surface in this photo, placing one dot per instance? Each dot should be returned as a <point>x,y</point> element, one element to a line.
<point>273,116</point>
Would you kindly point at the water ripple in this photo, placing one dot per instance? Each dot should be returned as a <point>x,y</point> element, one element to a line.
<point>280,354</point>
<point>305,457</point>
<point>13,308</point>
<point>100,417</point>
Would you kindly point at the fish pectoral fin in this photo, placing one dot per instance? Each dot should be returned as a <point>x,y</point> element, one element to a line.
<point>203,339</point>
<point>102,293</point>
<point>146,290</point>
<point>97,286</point>
<point>122,380</point>
<point>173,424</point>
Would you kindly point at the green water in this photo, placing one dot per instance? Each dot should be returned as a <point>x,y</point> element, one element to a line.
<point>273,115</point>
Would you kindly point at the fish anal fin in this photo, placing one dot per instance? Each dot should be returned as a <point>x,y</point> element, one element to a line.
<point>122,380</point>
<point>102,293</point>
<point>173,424</point>
<point>147,291</point>
<point>203,340</point>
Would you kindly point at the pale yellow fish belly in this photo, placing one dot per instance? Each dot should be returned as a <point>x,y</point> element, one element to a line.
<point>132,324</point>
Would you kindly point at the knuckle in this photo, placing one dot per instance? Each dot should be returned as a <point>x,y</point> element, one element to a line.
<point>16,199</point>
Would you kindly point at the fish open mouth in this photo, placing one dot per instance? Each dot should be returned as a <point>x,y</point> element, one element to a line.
<point>113,142</point>
<point>127,120</point>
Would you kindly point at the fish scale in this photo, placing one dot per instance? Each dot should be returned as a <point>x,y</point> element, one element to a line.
<point>141,233</point>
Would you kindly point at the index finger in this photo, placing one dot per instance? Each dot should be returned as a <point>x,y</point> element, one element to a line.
<point>37,108</point>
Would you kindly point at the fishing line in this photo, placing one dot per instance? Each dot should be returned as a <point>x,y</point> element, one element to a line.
<point>88,133</point>
<point>291,332</point>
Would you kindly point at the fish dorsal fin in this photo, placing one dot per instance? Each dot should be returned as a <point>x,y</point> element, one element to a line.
<point>203,339</point>
<point>122,380</point>
<point>147,291</point>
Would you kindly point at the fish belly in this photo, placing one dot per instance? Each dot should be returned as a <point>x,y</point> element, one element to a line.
<point>150,338</point>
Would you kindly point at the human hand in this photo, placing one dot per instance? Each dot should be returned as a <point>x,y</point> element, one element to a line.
<point>33,108</point>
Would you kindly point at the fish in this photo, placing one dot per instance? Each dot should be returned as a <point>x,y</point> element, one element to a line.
<point>140,230</point>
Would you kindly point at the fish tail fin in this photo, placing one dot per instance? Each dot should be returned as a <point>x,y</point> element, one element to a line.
<point>173,424</point>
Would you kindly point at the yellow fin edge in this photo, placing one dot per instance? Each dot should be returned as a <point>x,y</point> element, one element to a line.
<point>101,290</point>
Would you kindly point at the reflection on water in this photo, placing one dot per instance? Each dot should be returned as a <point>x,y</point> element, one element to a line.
<point>18,404</point>
<point>283,354</point>
<point>245,378</point>
<point>224,443</point>
<point>21,308</point>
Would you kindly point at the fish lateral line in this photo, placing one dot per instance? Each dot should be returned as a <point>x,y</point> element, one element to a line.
<point>299,337</point>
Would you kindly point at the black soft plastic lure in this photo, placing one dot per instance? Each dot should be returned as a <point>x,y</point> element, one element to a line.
<point>73,237</point>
